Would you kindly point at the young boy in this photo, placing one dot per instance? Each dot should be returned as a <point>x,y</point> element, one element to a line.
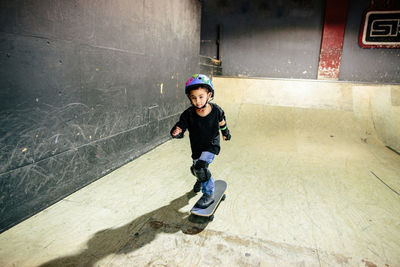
<point>203,120</point>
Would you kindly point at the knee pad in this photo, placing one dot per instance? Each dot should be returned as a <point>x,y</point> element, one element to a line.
<point>201,171</point>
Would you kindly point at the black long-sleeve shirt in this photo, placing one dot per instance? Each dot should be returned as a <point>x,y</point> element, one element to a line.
<point>203,131</point>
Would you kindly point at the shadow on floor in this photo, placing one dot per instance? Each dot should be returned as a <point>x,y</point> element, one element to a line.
<point>136,234</point>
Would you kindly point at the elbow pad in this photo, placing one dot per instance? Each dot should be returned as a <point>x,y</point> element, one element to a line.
<point>225,132</point>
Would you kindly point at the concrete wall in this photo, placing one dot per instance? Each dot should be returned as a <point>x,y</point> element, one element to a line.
<point>281,39</point>
<point>86,86</point>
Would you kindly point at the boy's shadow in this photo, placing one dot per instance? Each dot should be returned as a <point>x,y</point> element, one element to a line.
<point>136,234</point>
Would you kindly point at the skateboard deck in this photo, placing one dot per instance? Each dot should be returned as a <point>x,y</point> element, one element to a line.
<point>219,195</point>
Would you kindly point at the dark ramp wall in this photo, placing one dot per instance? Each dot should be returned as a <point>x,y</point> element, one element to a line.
<point>376,65</point>
<point>282,39</point>
<point>86,86</point>
<point>279,39</point>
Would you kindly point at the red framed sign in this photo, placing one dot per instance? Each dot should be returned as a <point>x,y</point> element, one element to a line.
<point>380,29</point>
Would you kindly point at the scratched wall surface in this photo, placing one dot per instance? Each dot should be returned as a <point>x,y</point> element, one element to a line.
<point>86,86</point>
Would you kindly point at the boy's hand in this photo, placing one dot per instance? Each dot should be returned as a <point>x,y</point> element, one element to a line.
<point>176,132</point>
<point>227,137</point>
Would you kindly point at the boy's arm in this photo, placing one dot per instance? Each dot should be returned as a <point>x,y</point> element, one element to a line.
<point>180,127</point>
<point>224,130</point>
<point>222,125</point>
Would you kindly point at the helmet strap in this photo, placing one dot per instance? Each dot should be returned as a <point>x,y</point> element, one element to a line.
<point>205,105</point>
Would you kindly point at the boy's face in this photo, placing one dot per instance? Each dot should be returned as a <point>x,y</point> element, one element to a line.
<point>199,96</point>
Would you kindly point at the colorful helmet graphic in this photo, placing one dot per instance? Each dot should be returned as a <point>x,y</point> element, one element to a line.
<point>199,80</point>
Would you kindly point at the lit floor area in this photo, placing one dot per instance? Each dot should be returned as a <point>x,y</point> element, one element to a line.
<point>309,184</point>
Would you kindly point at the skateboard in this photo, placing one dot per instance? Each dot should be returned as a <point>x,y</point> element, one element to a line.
<point>219,195</point>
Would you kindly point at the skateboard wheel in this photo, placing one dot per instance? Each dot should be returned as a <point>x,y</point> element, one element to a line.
<point>223,198</point>
<point>211,218</point>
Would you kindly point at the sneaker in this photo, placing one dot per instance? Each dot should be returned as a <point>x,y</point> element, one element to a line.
<point>205,201</point>
<point>197,187</point>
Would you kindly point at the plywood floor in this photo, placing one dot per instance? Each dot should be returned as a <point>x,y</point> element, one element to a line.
<point>305,188</point>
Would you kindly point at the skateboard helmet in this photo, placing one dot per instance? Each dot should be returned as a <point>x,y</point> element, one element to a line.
<point>199,80</point>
